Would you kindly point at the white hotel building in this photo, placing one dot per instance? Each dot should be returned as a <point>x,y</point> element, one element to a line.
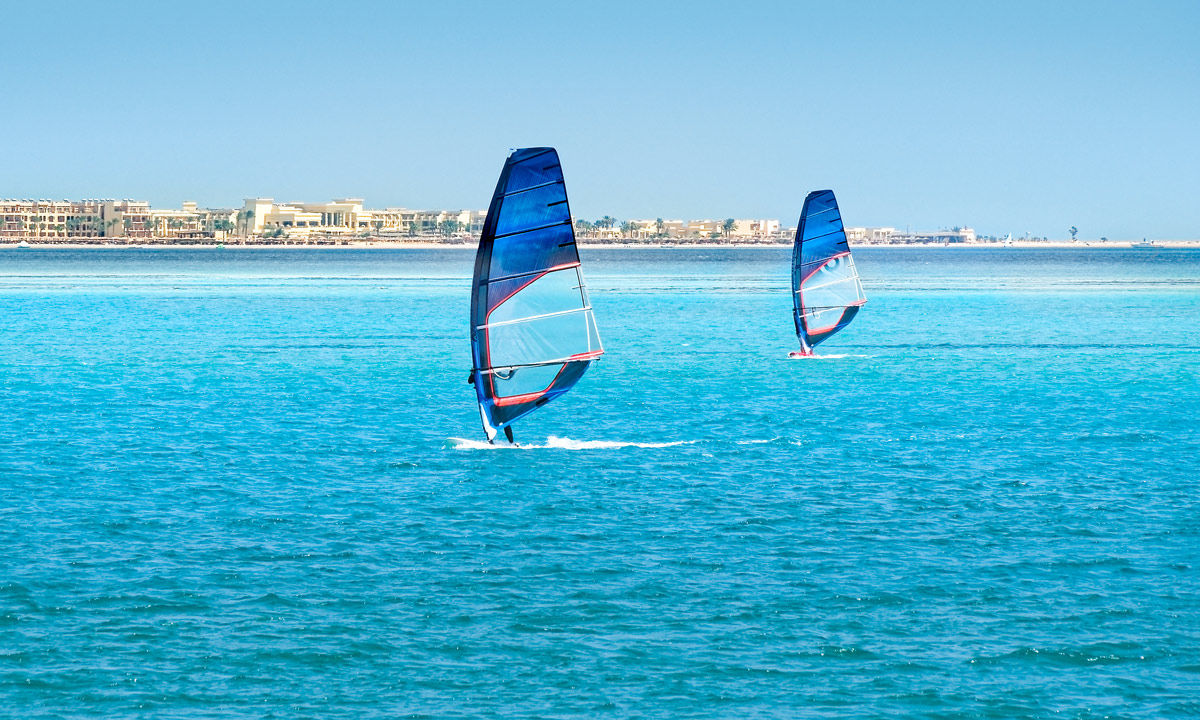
<point>348,217</point>
<point>51,221</point>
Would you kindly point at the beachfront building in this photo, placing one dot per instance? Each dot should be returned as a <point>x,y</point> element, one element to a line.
<point>870,236</point>
<point>704,228</point>
<point>342,219</point>
<point>86,220</point>
<point>217,223</point>
<point>45,220</point>
<point>66,220</point>
<point>447,222</point>
<point>761,229</point>
<point>674,228</point>
<point>403,221</point>
<point>644,229</point>
<point>187,223</point>
<point>657,229</point>
<point>892,236</point>
<point>745,229</point>
<point>265,216</point>
<point>347,217</point>
<point>126,218</point>
<point>945,237</point>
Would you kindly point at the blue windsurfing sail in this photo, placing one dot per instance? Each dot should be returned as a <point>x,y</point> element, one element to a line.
<point>532,330</point>
<point>826,289</point>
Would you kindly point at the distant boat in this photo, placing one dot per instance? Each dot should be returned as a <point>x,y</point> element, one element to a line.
<point>1008,239</point>
<point>826,289</point>
<point>533,333</point>
<point>23,244</point>
<point>1144,244</point>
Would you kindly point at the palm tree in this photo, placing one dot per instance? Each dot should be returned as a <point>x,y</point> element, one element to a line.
<point>728,226</point>
<point>658,227</point>
<point>1074,231</point>
<point>245,218</point>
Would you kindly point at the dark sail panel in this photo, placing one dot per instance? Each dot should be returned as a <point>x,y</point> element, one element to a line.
<point>826,289</point>
<point>533,333</point>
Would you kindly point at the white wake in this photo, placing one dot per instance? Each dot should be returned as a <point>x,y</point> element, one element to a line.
<point>827,357</point>
<point>557,443</point>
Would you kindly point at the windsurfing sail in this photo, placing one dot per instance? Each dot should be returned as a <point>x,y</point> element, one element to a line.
<point>826,289</point>
<point>533,333</point>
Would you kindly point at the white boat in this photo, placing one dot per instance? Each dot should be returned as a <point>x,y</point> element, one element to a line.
<point>1144,244</point>
<point>23,244</point>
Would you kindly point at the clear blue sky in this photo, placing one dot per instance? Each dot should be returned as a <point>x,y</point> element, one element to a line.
<point>1013,117</point>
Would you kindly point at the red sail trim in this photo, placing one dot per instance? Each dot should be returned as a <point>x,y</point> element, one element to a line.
<point>487,346</point>
<point>827,328</point>
<point>524,285</point>
<point>503,400</point>
<point>487,341</point>
<point>817,269</point>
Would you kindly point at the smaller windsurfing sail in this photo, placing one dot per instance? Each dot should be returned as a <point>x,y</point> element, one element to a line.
<point>826,289</point>
<point>533,333</point>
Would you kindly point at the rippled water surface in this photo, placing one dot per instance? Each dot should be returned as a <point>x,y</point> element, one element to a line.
<point>250,483</point>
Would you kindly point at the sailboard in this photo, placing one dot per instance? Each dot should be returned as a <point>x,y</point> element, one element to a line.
<point>826,290</point>
<point>533,334</point>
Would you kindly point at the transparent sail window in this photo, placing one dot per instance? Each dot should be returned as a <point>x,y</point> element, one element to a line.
<point>834,284</point>
<point>542,339</point>
<point>558,291</point>
<point>816,321</point>
<point>525,380</point>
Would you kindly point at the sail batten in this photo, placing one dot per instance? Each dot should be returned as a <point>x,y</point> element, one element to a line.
<point>533,332</point>
<point>527,274</point>
<point>533,187</point>
<point>501,323</point>
<point>826,289</point>
<point>532,229</point>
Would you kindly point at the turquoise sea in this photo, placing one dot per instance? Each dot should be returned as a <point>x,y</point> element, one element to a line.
<point>251,483</point>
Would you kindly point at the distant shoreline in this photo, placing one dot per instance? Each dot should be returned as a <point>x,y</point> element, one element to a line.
<point>588,244</point>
